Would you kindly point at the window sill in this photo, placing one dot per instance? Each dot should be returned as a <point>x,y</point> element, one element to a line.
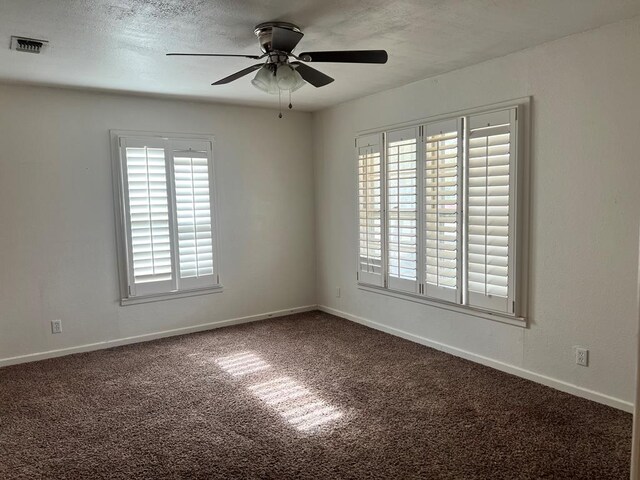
<point>170,295</point>
<point>498,317</point>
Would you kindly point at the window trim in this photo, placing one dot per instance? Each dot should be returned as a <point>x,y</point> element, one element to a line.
<point>521,227</point>
<point>170,295</point>
<point>122,238</point>
<point>519,321</point>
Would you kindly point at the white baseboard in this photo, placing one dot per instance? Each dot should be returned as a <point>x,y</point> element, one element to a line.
<point>32,357</point>
<point>505,367</point>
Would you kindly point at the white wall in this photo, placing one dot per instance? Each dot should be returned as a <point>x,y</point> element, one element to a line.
<point>585,206</point>
<point>57,237</point>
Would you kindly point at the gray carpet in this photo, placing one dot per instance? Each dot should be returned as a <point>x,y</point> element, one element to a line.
<point>306,396</point>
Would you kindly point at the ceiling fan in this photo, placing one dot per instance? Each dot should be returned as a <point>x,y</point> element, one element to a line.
<point>278,73</point>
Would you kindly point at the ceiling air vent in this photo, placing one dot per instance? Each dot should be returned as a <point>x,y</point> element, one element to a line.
<point>29,45</point>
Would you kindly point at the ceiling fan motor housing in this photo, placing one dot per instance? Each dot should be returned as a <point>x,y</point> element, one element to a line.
<point>264,33</point>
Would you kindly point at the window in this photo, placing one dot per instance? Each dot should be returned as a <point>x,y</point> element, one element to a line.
<point>442,193</point>
<point>370,209</point>
<point>167,231</point>
<point>438,210</point>
<point>402,209</point>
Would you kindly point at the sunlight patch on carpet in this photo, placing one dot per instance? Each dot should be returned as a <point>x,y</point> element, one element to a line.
<point>295,403</point>
<point>243,363</point>
<point>298,405</point>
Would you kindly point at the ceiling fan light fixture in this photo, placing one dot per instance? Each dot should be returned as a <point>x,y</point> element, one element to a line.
<point>286,78</point>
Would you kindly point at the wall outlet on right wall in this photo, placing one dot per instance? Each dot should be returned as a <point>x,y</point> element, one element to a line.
<point>56,326</point>
<point>582,356</point>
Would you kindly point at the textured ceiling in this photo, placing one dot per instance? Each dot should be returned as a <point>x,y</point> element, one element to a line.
<point>120,44</point>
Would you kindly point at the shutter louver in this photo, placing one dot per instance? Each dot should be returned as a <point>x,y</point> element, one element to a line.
<point>490,216</point>
<point>193,213</point>
<point>402,209</point>
<point>442,204</point>
<point>370,263</point>
<point>148,215</point>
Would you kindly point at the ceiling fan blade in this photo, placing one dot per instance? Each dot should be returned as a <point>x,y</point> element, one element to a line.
<point>239,74</point>
<point>346,56</point>
<point>255,57</point>
<point>284,39</point>
<point>311,75</point>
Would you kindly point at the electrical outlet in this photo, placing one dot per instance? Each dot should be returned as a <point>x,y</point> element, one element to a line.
<point>56,326</point>
<point>338,292</point>
<point>582,356</point>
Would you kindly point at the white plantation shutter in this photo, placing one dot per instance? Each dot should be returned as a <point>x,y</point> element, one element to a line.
<point>168,214</point>
<point>193,213</point>
<point>148,216</point>
<point>370,264</point>
<point>437,211</point>
<point>402,209</point>
<point>490,212</point>
<point>442,203</point>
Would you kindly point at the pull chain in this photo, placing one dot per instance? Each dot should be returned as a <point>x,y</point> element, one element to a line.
<point>280,103</point>
<point>290,106</point>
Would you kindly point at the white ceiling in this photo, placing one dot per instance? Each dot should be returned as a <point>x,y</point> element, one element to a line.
<point>120,44</point>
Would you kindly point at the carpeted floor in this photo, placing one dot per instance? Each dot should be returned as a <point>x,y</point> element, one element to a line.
<point>306,396</point>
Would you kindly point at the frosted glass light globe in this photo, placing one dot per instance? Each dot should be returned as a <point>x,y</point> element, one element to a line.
<point>285,75</point>
<point>266,81</point>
